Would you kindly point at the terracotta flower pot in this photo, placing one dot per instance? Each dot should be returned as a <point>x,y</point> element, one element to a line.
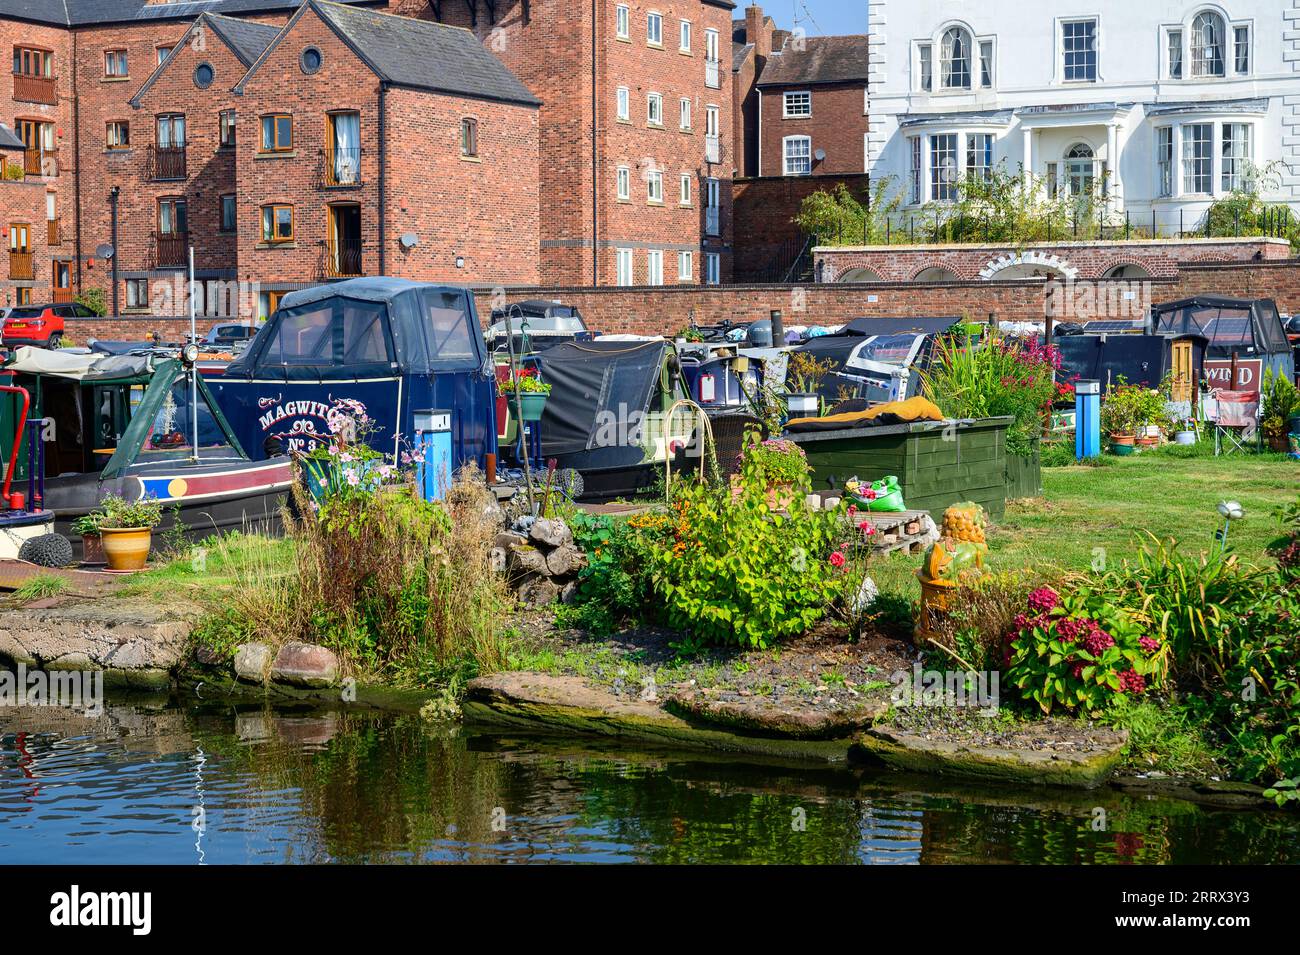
<point>1124,439</point>
<point>126,548</point>
<point>92,549</point>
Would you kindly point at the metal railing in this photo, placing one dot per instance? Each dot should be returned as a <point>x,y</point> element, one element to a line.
<point>170,249</point>
<point>35,89</point>
<point>21,265</point>
<point>940,226</point>
<point>342,259</point>
<point>712,220</point>
<point>166,162</point>
<point>342,167</point>
<point>713,74</point>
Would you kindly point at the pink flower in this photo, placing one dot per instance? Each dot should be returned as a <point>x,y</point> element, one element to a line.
<point>1130,681</point>
<point>866,528</point>
<point>1098,642</point>
<point>837,559</point>
<point>853,509</point>
<point>1043,599</point>
<point>353,479</point>
<point>1149,644</point>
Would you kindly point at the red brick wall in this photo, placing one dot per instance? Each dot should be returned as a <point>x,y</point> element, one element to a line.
<point>838,125</point>
<point>23,202</point>
<point>482,211</point>
<point>1164,257</point>
<point>209,168</point>
<point>665,310</point>
<point>551,54</point>
<point>26,203</point>
<point>765,212</point>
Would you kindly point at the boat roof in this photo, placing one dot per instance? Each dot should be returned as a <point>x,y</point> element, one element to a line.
<point>79,366</point>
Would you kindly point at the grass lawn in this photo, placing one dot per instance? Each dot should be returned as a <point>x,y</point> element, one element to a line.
<point>1171,492</point>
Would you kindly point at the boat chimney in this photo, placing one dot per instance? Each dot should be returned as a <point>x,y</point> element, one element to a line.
<point>778,328</point>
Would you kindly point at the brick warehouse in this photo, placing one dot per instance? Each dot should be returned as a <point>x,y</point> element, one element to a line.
<point>633,167</point>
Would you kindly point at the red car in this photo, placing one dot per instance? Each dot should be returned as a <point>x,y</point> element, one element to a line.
<point>39,324</point>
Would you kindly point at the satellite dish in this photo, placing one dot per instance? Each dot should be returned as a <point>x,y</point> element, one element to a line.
<point>103,251</point>
<point>820,155</point>
<point>410,240</point>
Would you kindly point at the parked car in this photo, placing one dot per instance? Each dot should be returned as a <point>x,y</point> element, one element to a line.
<point>230,333</point>
<point>40,324</point>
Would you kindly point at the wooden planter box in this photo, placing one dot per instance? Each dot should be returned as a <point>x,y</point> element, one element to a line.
<point>1024,476</point>
<point>934,473</point>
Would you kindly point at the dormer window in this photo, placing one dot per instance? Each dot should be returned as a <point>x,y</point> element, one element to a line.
<point>954,59</point>
<point>1208,33</point>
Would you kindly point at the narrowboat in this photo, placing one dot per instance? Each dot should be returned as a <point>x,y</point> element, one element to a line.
<point>143,425</point>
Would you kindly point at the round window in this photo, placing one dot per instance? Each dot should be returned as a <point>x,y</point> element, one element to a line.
<point>203,75</point>
<point>310,60</point>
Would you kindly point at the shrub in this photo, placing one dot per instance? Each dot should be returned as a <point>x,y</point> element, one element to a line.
<point>775,461</point>
<point>93,299</point>
<point>993,377</point>
<point>117,512</point>
<point>733,570</point>
<point>615,587</point>
<point>1079,652</point>
<point>973,630</point>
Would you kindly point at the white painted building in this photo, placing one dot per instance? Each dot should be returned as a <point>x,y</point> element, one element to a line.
<point>1168,102</point>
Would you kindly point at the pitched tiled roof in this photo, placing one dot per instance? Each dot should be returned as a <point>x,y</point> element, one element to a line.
<point>817,60</point>
<point>420,54</point>
<point>88,12</point>
<point>246,40</point>
<point>9,139</point>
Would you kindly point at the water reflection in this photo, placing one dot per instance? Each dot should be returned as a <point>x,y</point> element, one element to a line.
<point>171,781</point>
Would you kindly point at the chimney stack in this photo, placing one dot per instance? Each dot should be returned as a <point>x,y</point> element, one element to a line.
<point>756,31</point>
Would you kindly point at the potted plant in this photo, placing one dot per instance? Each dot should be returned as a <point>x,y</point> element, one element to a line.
<point>803,377</point>
<point>1118,417</point>
<point>127,530</point>
<point>1281,402</point>
<point>533,393</point>
<point>1185,431</point>
<point>92,542</point>
<point>777,463</point>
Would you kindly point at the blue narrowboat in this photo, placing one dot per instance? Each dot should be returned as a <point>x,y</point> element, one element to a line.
<point>388,348</point>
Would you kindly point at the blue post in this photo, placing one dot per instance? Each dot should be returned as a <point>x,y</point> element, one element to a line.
<point>1087,418</point>
<point>433,453</point>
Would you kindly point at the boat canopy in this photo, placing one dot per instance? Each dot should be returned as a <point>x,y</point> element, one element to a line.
<point>81,366</point>
<point>365,328</point>
<point>596,383</point>
<point>1242,325</point>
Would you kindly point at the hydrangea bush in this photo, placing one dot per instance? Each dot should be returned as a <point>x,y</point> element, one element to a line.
<point>1078,652</point>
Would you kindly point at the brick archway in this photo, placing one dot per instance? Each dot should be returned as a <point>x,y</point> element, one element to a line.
<point>1024,264</point>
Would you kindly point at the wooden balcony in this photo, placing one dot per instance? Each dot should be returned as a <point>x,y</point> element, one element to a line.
<point>343,259</point>
<point>53,236</point>
<point>32,162</point>
<point>62,295</point>
<point>166,162</point>
<point>21,265</point>
<point>170,249</point>
<point>35,89</point>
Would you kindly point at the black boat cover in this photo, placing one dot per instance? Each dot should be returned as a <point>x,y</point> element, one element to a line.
<point>600,391</point>
<point>1229,324</point>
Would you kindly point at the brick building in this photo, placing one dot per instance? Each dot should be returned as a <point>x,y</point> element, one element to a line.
<point>636,130</point>
<point>22,215</point>
<point>124,106</point>
<point>802,100</point>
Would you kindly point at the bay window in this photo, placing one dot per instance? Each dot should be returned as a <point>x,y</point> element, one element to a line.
<point>943,167</point>
<point>1198,158</point>
<point>1236,156</point>
<point>1164,161</point>
<point>979,156</point>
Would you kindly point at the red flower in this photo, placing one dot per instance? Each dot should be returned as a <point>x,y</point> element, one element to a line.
<point>837,559</point>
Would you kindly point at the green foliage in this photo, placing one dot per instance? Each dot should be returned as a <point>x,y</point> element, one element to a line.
<point>1127,407</point>
<point>40,586</point>
<point>1163,736</point>
<point>614,588</point>
<point>973,630</point>
<point>1079,652</point>
<point>735,570</point>
<point>1280,401</point>
<point>1244,212</point>
<point>1284,792</point>
<point>117,512</point>
<point>970,378</point>
<point>93,299</point>
<point>776,461</point>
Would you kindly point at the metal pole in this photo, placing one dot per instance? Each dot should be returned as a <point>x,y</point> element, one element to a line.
<point>519,409</point>
<point>194,368</point>
<point>112,202</point>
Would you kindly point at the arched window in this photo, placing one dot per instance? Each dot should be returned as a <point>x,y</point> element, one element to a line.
<point>1208,33</point>
<point>954,59</point>
<point>1080,169</point>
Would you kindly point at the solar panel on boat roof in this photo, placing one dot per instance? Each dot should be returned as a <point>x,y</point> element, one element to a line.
<point>1092,328</point>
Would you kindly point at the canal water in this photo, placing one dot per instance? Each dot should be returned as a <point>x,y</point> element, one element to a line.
<point>181,781</point>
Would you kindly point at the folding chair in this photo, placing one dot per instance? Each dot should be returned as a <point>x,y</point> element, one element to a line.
<point>1235,417</point>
